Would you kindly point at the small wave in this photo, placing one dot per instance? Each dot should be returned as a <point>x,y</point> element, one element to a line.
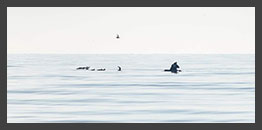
<point>12,66</point>
<point>176,84</point>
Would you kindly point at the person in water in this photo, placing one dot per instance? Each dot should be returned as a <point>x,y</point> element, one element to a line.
<point>173,68</point>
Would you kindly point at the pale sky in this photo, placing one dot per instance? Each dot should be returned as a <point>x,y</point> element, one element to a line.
<point>141,29</point>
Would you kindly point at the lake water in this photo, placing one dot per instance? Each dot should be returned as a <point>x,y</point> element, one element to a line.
<point>47,88</point>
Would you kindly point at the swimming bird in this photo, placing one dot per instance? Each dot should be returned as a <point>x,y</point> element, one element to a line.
<point>101,69</point>
<point>79,68</point>
<point>119,68</point>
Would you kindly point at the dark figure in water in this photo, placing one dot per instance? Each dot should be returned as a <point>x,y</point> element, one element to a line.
<point>79,68</point>
<point>101,69</point>
<point>173,68</point>
<point>119,68</point>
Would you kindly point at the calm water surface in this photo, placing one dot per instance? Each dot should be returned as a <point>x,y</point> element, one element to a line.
<point>47,88</point>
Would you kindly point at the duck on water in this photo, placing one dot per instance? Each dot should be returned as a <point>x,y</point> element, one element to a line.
<point>100,69</point>
<point>83,68</point>
<point>119,68</point>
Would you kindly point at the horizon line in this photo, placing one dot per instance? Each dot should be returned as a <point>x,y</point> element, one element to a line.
<point>130,53</point>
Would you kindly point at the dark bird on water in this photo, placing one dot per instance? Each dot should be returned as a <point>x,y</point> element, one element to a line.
<point>79,68</point>
<point>117,36</point>
<point>101,69</point>
<point>119,68</point>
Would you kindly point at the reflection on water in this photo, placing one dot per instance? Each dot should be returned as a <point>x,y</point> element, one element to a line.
<point>211,88</point>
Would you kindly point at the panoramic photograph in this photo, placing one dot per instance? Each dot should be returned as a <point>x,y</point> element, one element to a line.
<point>130,64</point>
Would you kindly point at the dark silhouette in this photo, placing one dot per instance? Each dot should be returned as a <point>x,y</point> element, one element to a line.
<point>119,68</point>
<point>173,68</point>
<point>79,68</point>
<point>92,69</point>
<point>101,69</point>
<point>117,36</point>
